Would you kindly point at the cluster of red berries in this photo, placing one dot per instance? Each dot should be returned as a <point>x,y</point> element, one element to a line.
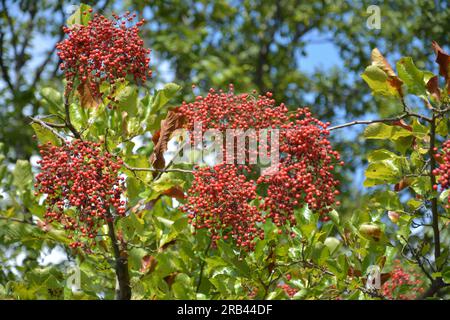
<point>288,289</point>
<point>305,172</point>
<point>219,201</point>
<point>226,110</point>
<point>82,187</point>
<point>304,175</point>
<point>443,172</point>
<point>223,111</point>
<point>402,285</point>
<point>104,51</point>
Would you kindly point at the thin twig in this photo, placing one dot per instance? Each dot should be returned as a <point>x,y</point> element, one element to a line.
<point>69,124</point>
<point>123,290</point>
<point>48,127</point>
<point>157,170</point>
<point>388,120</point>
<point>417,258</point>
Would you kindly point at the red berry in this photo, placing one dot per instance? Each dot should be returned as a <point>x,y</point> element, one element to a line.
<point>103,51</point>
<point>219,199</point>
<point>81,183</point>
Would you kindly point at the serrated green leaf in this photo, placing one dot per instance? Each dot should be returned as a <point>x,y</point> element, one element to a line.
<point>163,96</point>
<point>44,135</point>
<point>380,154</point>
<point>22,175</point>
<point>414,78</point>
<point>53,98</point>
<point>383,131</point>
<point>382,172</point>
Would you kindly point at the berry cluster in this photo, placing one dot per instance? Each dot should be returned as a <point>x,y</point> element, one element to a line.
<point>219,201</point>
<point>304,173</point>
<point>226,110</point>
<point>402,285</point>
<point>288,289</point>
<point>443,172</point>
<point>82,187</point>
<point>104,51</point>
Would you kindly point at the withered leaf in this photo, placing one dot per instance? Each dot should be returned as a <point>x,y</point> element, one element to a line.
<point>380,61</point>
<point>433,88</point>
<point>87,97</point>
<point>443,60</point>
<point>148,264</point>
<point>173,121</point>
<point>175,192</point>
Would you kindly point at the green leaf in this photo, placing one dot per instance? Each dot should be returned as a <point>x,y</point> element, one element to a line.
<point>444,196</point>
<point>44,135</point>
<point>80,16</point>
<point>22,175</point>
<point>421,185</point>
<point>164,95</point>
<point>414,78</point>
<point>135,257</point>
<point>77,116</point>
<point>127,100</point>
<point>442,127</point>
<point>379,82</point>
<point>419,130</point>
<point>380,154</point>
<point>169,180</point>
<point>53,98</point>
<point>182,287</point>
<point>381,172</point>
<point>332,244</point>
<point>383,131</point>
<point>387,200</point>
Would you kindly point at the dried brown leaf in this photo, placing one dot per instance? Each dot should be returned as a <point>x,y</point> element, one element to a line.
<point>380,61</point>
<point>87,98</point>
<point>433,88</point>
<point>173,121</point>
<point>443,60</point>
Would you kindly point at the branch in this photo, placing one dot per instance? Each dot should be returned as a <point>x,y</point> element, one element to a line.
<point>41,68</point>
<point>387,120</point>
<point>434,201</point>
<point>418,260</point>
<point>49,126</point>
<point>3,67</point>
<point>123,288</point>
<point>166,168</point>
<point>202,267</point>
<point>69,124</point>
<point>11,28</point>
<point>157,170</point>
